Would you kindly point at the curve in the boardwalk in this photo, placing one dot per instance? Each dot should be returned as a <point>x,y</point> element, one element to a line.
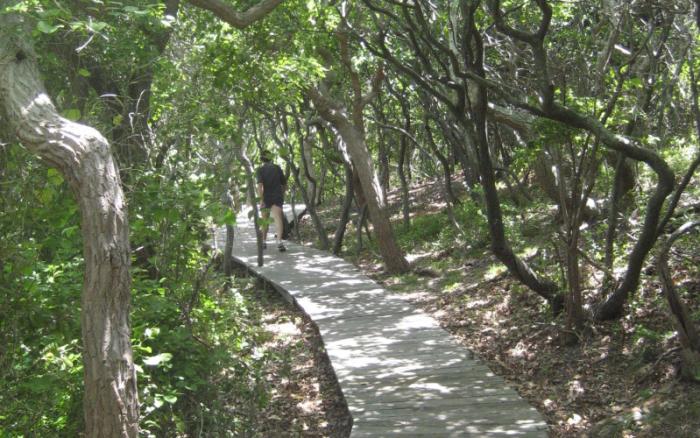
<point>401,374</point>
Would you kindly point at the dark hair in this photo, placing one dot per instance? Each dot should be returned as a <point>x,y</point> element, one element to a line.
<point>265,156</point>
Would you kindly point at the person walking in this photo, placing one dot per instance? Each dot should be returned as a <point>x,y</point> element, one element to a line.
<point>271,186</point>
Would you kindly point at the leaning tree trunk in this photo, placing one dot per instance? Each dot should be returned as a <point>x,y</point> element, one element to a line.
<point>345,214</point>
<point>230,236</point>
<point>84,158</point>
<point>392,256</point>
<point>250,187</point>
<point>687,332</point>
<point>499,243</point>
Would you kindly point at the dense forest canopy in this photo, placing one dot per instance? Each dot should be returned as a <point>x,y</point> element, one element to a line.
<point>128,129</point>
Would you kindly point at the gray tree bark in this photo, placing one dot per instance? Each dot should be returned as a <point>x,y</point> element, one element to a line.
<point>353,137</point>
<point>84,158</point>
<point>687,331</point>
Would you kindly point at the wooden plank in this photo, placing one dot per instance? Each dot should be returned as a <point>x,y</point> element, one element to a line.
<point>501,419</point>
<point>405,366</point>
<point>428,391</point>
<point>324,314</point>
<point>488,407</point>
<point>462,429</point>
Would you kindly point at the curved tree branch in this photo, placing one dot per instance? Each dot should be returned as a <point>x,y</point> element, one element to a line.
<point>239,20</point>
<point>612,306</point>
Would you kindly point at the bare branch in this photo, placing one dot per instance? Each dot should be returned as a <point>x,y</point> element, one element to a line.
<point>239,20</point>
<point>376,85</point>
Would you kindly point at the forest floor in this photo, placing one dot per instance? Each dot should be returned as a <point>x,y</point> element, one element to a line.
<point>305,399</point>
<point>619,379</point>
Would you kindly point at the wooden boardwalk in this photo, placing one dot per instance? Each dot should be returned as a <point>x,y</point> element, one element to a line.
<point>401,374</point>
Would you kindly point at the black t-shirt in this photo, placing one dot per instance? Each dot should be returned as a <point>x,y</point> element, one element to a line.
<point>272,179</point>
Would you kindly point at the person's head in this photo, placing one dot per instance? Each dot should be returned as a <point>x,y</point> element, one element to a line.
<point>266,156</point>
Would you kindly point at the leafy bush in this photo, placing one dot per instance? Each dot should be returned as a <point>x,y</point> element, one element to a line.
<point>198,345</point>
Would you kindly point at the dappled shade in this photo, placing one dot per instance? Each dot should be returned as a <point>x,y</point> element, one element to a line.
<point>399,371</point>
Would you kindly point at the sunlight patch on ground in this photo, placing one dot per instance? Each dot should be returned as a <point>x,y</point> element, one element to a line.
<point>415,321</point>
<point>575,389</point>
<point>494,271</point>
<point>412,257</point>
<point>528,252</point>
<point>452,287</point>
<point>284,329</point>
<point>474,304</point>
<point>519,351</point>
<point>309,406</point>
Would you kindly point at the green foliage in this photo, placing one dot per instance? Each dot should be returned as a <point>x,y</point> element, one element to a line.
<point>198,346</point>
<point>40,277</point>
<point>193,369</point>
<point>473,220</point>
<point>425,228</point>
<point>434,230</point>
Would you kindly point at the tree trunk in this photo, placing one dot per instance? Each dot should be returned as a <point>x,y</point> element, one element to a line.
<point>401,169</point>
<point>613,211</point>
<point>499,244</point>
<point>252,200</point>
<point>404,163</point>
<point>310,198</point>
<point>84,158</point>
<point>321,192</point>
<point>450,196</point>
<point>361,221</point>
<point>383,148</point>
<point>230,234</point>
<point>391,253</point>
<point>311,208</point>
<point>392,256</point>
<point>307,164</point>
<point>345,215</point>
<point>687,332</point>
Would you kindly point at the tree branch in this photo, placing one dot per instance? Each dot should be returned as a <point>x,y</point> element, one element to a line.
<point>239,20</point>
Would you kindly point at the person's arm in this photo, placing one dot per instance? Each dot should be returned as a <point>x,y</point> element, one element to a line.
<point>260,193</point>
<point>283,180</point>
<point>258,178</point>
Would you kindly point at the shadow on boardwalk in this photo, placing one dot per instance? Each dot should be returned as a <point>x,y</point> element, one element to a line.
<point>401,374</point>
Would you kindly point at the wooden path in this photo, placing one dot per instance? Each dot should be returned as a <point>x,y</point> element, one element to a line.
<point>401,374</point>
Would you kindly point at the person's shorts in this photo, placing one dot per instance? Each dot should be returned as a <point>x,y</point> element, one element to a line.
<point>270,202</point>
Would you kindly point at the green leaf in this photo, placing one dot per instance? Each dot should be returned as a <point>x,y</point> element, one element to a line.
<point>636,82</point>
<point>136,11</point>
<point>226,218</point>
<point>170,398</point>
<point>46,195</point>
<point>84,73</point>
<point>72,114</point>
<point>158,359</point>
<point>69,231</point>
<point>54,177</point>
<point>98,26</point>
<point>45,27</point>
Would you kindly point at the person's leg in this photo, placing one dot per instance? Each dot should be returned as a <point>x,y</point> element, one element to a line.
<point>279,225</point>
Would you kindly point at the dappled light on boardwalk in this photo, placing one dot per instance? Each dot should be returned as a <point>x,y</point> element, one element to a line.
<point>401,374</point>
